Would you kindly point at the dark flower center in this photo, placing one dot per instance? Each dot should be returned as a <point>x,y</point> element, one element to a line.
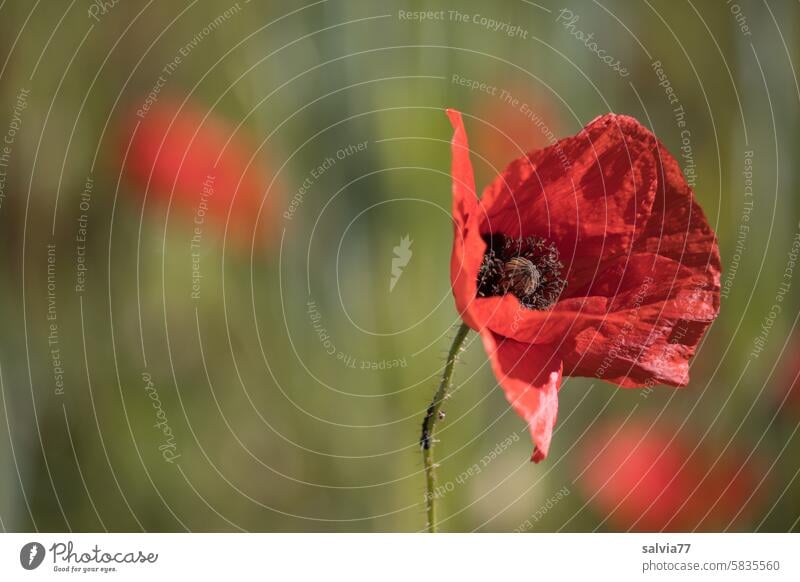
<point>526,267</point>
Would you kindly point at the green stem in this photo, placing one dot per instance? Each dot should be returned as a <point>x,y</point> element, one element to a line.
<point>427,440</point>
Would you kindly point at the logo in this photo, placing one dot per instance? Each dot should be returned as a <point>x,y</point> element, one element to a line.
<point>402,255</point>
<point>31,555</point>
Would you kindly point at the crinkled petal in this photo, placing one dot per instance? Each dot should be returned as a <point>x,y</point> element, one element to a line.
<point>648,341</point>
<point>677,227</point>
<point>664,296</point>
<point>589,194</point>
<point>506,316</point>
<point>530,377</point>
<point>643,263</point>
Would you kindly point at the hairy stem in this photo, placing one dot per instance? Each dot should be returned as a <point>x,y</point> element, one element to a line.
<point>427,440</point>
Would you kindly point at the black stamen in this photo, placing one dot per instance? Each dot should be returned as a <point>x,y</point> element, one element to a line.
<point>528,268</point>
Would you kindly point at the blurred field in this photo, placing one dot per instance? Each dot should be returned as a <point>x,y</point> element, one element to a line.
<point>290,374</point>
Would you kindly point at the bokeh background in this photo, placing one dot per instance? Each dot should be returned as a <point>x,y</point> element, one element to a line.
<point>272,377</point>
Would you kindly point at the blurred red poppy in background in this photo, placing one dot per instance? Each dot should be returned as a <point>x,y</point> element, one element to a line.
<point>787,379</point>
<point>646,479</point>
<point>513,123</point>
<point>586,258</point>
<point>201,162</point>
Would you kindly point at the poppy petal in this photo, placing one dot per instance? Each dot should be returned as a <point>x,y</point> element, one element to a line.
<point>649,340</point>
<point>530,377</point>
<point>613,325</point>
<point>677,227</point>
<point>465,201</point>
<point>468,246</point>
<point>643,477</point>
<point>665,296</point>
<point>184,155</point>
<point>592,195</point>
<point>589,194</point>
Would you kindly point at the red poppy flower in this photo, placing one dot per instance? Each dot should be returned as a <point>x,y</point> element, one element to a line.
<point>786,396</point>
<point>587,258</point>
<point>645,479</point>
<point>180,151</point>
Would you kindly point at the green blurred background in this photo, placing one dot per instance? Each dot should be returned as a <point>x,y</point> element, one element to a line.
<point>273,432</point>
